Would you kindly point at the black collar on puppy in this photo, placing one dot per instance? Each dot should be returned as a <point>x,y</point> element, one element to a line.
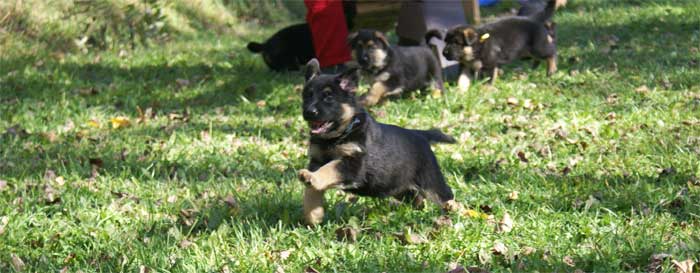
<point>354,124</point>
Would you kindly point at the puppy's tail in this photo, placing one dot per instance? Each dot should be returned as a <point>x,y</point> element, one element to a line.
<point>433,33</point>
<point>255,47</point>
<point>435,136</point>
<point>547,13</point>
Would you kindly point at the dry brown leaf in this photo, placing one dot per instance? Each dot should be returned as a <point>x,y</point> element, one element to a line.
<point>499,249</point>
<point>17,263</point>
<point>506,224</point>
<point>684,266</point>
<point>225,269</point>
<point>442,221</point>
<point>569,261</point>
<point>310,269</point>
<point>512,101</point>
<point>231,201</point>
<point>3,223</point>
<point>513,195</point>
<point>656,260</point>
<point>642,89</point>
<point>279,269</point>
<point>144,269</point>
<point>172,199</point>
<point>3,185</point>
<point>526,251</point>
<point>347,234</point>
<point>522,157</point>
<point>284,254</point>
<point>261,103</point>
<point>411,238</point>
<point>185,243</point>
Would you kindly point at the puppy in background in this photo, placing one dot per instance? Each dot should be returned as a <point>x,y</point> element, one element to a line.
<point>286,50</point>
<point>489,46</point>
<point>394,69</point>
<point>349,150</point>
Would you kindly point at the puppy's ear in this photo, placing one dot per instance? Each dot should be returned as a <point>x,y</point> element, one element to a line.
<point>348,80</point>
<point>470,36</point>
<point>312,69</point>
<point>255,47</point>
<point>352,39</point>
<point>380,37</point>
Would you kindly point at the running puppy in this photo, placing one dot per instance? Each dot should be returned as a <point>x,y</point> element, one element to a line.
<point>489,46</point>
<point>350,151</point>
<point>394,69</point>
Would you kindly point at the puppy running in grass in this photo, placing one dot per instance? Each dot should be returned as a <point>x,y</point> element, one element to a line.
<point>394,69</point>
<point>350,151</point>
<point>487,47</point>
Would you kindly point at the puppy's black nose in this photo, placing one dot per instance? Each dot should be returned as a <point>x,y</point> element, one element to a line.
<point>310,112</point>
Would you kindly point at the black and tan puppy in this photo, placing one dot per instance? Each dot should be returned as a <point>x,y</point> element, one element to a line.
<point>350,151</point>
<point>394,69</point>
<point>288,49</point>
<point>489,46</point>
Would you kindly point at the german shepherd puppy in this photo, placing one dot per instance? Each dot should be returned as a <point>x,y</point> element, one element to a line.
<point>350,151</point>
<point>394,69</point>
<point>489,46</point>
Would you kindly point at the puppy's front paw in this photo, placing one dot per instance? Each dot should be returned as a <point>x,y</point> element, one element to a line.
<point>305,176</point>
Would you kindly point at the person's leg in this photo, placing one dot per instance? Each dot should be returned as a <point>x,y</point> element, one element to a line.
<point>411,27</point>
<point>328,31</point>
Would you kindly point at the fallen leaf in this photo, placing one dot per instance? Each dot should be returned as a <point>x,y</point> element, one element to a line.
<point>231,201</point>
<point>612,98</point>
<point>347,234</point>
<point>436,93</point>
<point>513,195</point>
<point>506,224</point>
<point>172,199</point>
<point>144,269</point>
<point>512,101</point>
<point>499,249</point>
<point>569,261</point>
<point>3,185</point>
<point>120,122</point>
<point>310,269</point>
<point>655,262</point>
<point>261,103</point>
<point>51,195</point>
<point>484,256</point>
<point>93,123</point>
<point>442,221</point>
<point>284,254</point>
<point>410,238</point>
<point>522,157</point>
<point>17,263</point>
<point>64,270</point>
<point>50,136</point>
<point>185,243</point>
<point>89,91</point>
<point>526,251</point>
<point>684,266</point>
<point>204,135</point>
<point>225,269</point>
<point>279,269</point>
<point>3,223</point>
<point>642,89</point>
<point>69,258</point>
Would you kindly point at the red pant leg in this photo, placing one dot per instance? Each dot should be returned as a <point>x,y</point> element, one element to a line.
<point>329,31</point>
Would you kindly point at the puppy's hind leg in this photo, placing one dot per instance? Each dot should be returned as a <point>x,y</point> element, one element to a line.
<point>551,65</point>
<point>494,75</point>
<point>376,92</point>
<point>463,81</point>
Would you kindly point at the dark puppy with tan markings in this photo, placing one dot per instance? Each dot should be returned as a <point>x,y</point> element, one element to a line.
<point>349,150</point>
<point>486,47</point>
<point>394,69</point>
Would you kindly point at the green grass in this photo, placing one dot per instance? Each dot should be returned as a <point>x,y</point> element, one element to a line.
<point>593,188</point>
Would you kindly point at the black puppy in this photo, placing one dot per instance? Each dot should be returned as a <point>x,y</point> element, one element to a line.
<point>288,49</point>
<point>350,151</point>
<point>292,47</point>
<point>489,46</point>
<point>394,69</point>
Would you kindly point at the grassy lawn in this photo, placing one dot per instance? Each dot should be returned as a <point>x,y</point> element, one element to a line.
<point>604,157</point>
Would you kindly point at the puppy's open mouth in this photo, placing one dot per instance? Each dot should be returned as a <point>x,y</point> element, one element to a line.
<point>320,127</point>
